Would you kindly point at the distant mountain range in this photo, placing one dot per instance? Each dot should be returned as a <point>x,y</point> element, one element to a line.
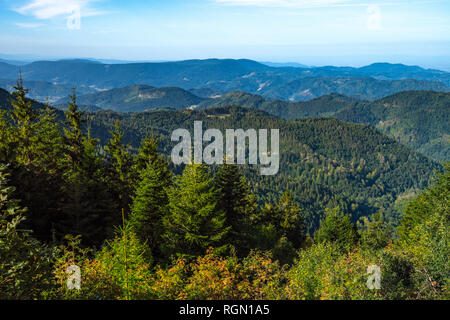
<point>372,95</point>
<point>286,83</point>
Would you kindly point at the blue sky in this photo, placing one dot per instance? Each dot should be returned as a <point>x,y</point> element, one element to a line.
<point>314,32</point>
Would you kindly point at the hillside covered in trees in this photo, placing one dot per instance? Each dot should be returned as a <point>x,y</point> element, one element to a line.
<point>418,119</point>
<point>140,228</point>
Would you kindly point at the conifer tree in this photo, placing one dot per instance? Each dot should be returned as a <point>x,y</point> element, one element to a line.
<point>24,119</point>
<point>282,228</point>
<point>339,229</point>
<point>195,222</point>
<point>149,207</point>
<point>35,139</point>
<point>238,203</point>
<point>88,209</point>
<point>119,163</point>
<point>25,264</point>
<point>148,154</point>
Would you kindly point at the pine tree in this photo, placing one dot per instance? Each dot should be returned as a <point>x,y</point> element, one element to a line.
<point>35,139</point>
<point>292,220</point>
<point>148,154</point>
<point>338,229</point>
<point>119,163</point>
<point>73,133</point>
<point>238,203</point>
<point>88,208</point>
<point>195,222</point>
<point>149,207</point>
<point>282,228</point>
<point>24,119</point>
<point>25,264</point>
<point>7,143</point>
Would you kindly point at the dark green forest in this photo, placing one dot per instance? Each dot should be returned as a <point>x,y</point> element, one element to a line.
<point>418,119</point>
<point>97,190</point>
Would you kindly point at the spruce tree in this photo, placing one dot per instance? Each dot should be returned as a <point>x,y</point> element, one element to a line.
<point>35,139</point>
<point>238,203</point>
<point>338,229</point>
<point>148,154</point>
<point>149,207</point>
<point>282,228</point>
<point>25,264</point>
<point>195,222</point>
<point>24,119</point>
<point>119,163</point>
<point>88,208</point>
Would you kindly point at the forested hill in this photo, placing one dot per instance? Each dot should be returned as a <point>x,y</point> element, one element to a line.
<point>324,162</point>
<point>419,119</point>
<point>6,97</point>
<point>139,98</point>
<point>323,106</point>
<point>44,90</point>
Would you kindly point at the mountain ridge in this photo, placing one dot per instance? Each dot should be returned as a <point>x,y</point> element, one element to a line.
<point>226,75</point>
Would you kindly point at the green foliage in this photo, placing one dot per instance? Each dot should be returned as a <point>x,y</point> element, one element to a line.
<point>88,209</point>
<point>127,260</point>
<point>256,276</point>
<point>281,228</point>
<point>238,203</point>
<point>324,162</point>
<point>418,119</point>
<point>97,283</point>
<point>376,232</point>
<point>150,207</point>
<point>25,264</point>
<point>195,222</point>
<point>71,184</point>
<point>338,229</point>
<point>425,236</point>
<point>119,170</point>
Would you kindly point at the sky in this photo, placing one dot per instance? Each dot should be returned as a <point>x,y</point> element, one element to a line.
<point>312,32</point>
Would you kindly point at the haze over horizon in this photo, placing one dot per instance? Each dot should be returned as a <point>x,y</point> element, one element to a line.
<point>323,32</point>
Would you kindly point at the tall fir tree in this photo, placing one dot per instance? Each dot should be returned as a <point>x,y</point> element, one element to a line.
<point>36,140</point>
<point>149,207</point>
<point>119,165</point>
<point>88,207</point>
<point>150,202</point>
<point>338,228</point>
<point>148,154</point>
<point>195,222</point>
<point>282,228</point>
<point>24,119</point>
<point>25,263</point>
<point>238,203</point>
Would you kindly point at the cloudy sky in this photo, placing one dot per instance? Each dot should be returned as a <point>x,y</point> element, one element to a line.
<point>314,32</point>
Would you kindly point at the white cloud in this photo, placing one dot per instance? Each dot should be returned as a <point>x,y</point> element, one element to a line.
<point>46,9</point>
<point>28,25</point>
<point>72,10</point>
<point>286,3</point>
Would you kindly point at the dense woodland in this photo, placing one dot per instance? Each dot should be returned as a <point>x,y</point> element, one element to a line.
<point>97,190</point>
